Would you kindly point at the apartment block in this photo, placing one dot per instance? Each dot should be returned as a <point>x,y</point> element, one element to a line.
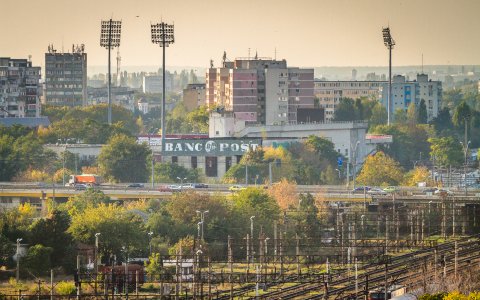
<point>194,96</point>
<point>329,93</point>
<point>20,88</point>
<point>66,77</point>
<point>405,92</point>
<point>260,90</point>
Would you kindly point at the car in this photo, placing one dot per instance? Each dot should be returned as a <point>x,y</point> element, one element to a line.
<point>236,188</point>
<point>200,185</point>
<point>174,187</point>
<point>376,191</point>
<point>135,185</point>
<point>80,187</point>
<point>430,190</point>
<point>361,189</point>
<point>187,186</point>
<point>390,189</point>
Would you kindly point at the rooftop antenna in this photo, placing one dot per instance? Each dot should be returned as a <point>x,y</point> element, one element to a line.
<point>211,63</point>
<point>422,63</point>
<point>275,57</point>
<point>248,53</point>
<point>224,58</point>
<point>256,54</point>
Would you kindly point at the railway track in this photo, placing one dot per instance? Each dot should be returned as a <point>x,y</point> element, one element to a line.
<point>468,249</point>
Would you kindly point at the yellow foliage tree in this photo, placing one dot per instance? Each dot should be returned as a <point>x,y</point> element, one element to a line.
<point>58,176</point>
<point>380,170</point>
<point>284,193</point>
<point>455,295</point>
<point>90,170</point>
<point>419,174</point>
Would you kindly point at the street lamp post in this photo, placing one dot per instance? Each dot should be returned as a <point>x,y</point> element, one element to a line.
<point>202,218</point>
<point>251,236</point>
<point>389,43</point>
<point>18,260</point>
<point>150,242</point>
<point>198,229</point>
<point>95,263</point>
<point>181,182</point>
<point>162,34</point>
<point>65,144</point>
<point>109,39</point>
<point>465,152</point>
<point>354,162</point>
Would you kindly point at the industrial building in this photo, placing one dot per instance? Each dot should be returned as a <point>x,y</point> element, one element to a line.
<point>20,88</point>
<point>66,77</point>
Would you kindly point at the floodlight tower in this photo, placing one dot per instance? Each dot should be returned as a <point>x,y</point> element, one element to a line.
<point>389,42</point>
<point>110,38</point>
<point>162,34</point>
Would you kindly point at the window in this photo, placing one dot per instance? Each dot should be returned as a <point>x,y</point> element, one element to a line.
<point>228,163</point>
<point>174,159</point>
<point>193,162</point>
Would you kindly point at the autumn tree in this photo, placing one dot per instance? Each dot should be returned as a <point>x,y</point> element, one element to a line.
<point>380,170</point>
<point>418,174</point>
<point>285,193</point>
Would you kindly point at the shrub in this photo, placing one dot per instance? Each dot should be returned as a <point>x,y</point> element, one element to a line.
<point>65,288</point>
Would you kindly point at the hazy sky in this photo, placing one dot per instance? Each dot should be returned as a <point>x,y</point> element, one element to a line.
<point>306,33</point>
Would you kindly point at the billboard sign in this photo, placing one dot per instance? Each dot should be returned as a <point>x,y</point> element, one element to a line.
<point>208,147</point>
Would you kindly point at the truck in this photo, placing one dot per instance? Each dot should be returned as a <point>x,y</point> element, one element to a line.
<point>86,179</point>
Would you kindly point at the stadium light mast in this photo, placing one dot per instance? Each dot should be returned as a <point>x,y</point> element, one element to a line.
<point>162,34</point>
<point>389,43</point>
<point>110,38</point>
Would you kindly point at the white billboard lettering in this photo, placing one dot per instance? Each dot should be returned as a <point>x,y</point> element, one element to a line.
<point>189,146</point>
<point>244,147</point>
<point>224,146</point>
<point>198,147</point>
<point>168,147</point>
<point>235,147</point>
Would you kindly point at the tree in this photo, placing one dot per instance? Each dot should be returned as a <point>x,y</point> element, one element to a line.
<point>345,110</point>
<point>89,198</point>
<point>378,115</point>
<point>462,116</point>
<point>418,174</point>
<point>37,261</point>
<point>308,224</point>
<point>447,151</point>
<point>256,202</point>
<point>400,116</point>
<point>9,158</point>
<point>52,232</point>
<point>118,227</point>
<point>6,251</point>
<point>122,153</point>
<point>284,193</point>
<point>168,172</point>
<point>422,113</point>
<point>380,170</point>
<point>412,114</point>
<point>323,147</point>
<point>443,121</point>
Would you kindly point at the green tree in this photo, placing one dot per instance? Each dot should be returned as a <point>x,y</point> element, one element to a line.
<point>447,151</point>
<point>37,261</point>
<point>308,225</point>
<point>6,251</point>
<point>52,232</point>
<point>380,170</point>
<point>123,160</point>
<point>345,110</point>
<point>412,114</point>
<point>90,198</point>
<point>9,158</point>
<point>256,202</point>
<point>400,116</point>
<point>442,122</point>
<point>168,172</point>
<point>323,147</point>
<point>422,113</point>
<point>378,115</point>
<point>117,226</point>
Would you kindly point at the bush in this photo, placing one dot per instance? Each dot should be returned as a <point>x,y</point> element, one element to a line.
<point>65,288</point>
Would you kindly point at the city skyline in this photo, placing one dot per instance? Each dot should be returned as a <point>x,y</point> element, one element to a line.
<point>309,33</point>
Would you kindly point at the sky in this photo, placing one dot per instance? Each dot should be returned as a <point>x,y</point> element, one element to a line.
<point>307,33</point>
